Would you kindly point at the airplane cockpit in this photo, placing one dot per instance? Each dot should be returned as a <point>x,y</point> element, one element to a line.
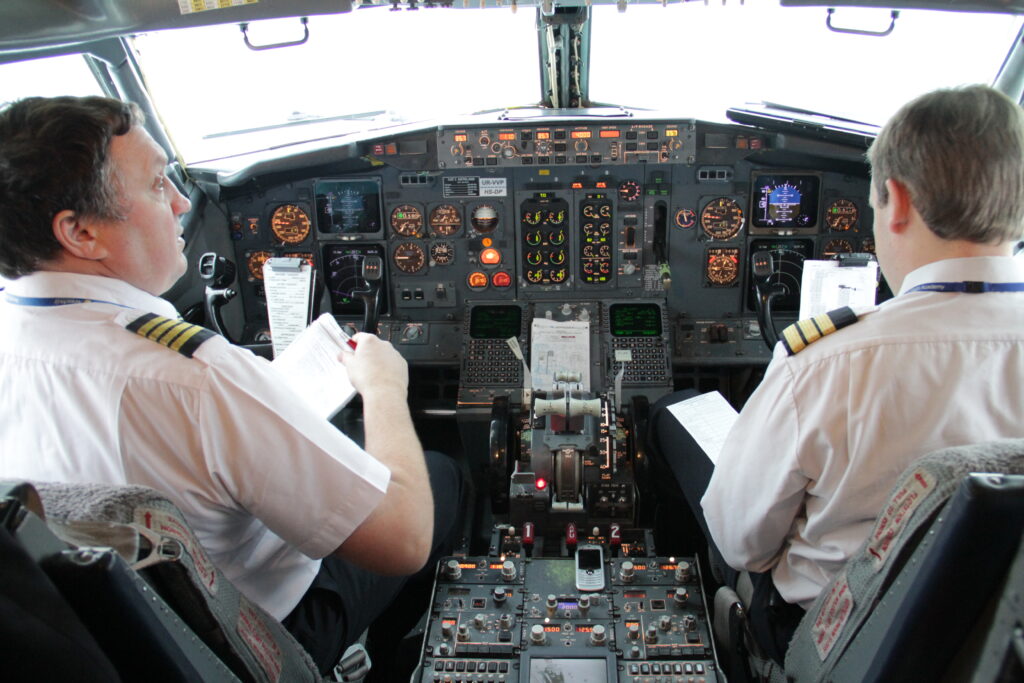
<point>559,212</point>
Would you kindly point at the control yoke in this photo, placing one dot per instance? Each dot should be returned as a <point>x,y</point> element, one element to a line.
<point>763,268</point>
<point>218,273</point>
<point>372,270</point>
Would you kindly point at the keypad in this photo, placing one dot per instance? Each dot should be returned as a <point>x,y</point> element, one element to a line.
<point>649,364</point>
<point>490,362</point>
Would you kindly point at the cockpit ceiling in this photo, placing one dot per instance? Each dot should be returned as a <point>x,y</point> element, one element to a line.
<point>31,25</point>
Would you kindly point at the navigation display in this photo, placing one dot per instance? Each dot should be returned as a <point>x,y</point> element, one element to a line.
<point>348,207</point>
<point>785,201</point>
<point>635,320</point>
<point>343,274</point>
<point>495,322</point>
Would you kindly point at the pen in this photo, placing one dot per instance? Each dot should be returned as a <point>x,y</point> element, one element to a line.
<point>347,339</point>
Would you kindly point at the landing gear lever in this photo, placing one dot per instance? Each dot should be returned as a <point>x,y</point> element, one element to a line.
<point>372,270</point>
<point>218,273</point>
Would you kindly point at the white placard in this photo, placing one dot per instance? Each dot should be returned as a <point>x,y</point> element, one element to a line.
<point>826,286</point>
<point>288,284</point>
<point>559,347</point>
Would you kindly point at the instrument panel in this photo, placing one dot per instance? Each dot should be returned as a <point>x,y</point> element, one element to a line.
<point>565,211</point>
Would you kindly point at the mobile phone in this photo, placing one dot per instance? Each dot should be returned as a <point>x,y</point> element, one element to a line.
<point>589,568</point>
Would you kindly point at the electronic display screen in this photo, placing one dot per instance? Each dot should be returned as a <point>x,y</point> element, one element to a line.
<point>785,201</point>
<point>343,274</point>
<point>588,558</point>
<point>495,322</point>
<point>348,207</point>
<point>635,320</point>
<point>565,670</point>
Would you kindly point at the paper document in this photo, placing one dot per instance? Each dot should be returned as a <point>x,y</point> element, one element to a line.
<point>708,418</point>
<point>559,347</point>
<point>311,367</point>
<point>825,286</point>
<point>288,283</point>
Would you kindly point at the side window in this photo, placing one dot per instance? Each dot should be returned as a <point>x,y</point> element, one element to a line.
<point>49,77</point>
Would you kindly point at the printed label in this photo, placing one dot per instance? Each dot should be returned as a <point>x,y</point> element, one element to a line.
<point>260,640</point>
<point>167,525</point>
<point>894,518</point>
<point>832,617</point>
<point>493,187</point>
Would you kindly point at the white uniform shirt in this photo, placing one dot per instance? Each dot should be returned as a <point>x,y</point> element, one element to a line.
<point>266,484</point>
<point>812,457</point>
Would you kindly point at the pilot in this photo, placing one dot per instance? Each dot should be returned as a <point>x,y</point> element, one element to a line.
<point>840,414</point>
<point>321,533</point>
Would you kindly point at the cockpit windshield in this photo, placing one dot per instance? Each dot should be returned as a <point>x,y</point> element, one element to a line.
<point>374,68</point>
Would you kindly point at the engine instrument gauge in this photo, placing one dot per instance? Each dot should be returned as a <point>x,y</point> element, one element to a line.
<point>445,220</point>
<point>254,263</point>
<point>837,246</point>
<point>629,190</point>
<point>721,219</point>
<point>442,253</point>
<point>484,218</point>
<point>409,257</point>
<point>407,220</point>
<point>841,215</point>
<point>290,224</point>
<point>722,266</point>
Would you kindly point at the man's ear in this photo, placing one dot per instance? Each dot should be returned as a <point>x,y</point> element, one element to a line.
<point>79,238</point>
<point>899,199</point>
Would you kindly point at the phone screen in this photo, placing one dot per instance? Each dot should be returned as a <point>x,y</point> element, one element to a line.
<point>589,558</point>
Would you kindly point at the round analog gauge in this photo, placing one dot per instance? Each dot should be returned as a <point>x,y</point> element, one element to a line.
<point>409,257</point>
<point>484,218</point>
<point>558,275</point>
<point>442,253</point>
<point>445,220</point>
<point>868,245</point>
<point>841,215</point>
<point>407,220</point>
<point>721,219</point>
<point>833,247</point>
<point>686,218</point>
<point>254,262</point>
<point>629,190</point>
<point>723,268</point>
<point>556,217</point>
<point>533,216</point>
<point>290,224</point>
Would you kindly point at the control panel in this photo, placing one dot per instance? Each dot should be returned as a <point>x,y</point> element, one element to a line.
<point>525,619</point>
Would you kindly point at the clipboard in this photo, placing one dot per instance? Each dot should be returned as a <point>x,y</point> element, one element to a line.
<point>288,283</point>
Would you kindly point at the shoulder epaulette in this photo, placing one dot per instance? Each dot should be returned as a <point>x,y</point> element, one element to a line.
<point>797,336</point>
<point>178,335</point>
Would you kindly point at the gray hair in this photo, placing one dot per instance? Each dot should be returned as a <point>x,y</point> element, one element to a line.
<point>960,154</point>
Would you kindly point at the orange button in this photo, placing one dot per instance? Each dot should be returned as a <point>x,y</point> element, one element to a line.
<point>501,279</point>
<point>477,280</point>
<point>490,257</point>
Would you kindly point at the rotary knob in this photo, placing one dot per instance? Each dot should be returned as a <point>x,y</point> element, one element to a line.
<point>680,596</point>
<point>499,595</point>
<point>479,621</point>
<point>652,633</point>
<point>665,623</point>
<point>508,570</point>
<point>537,635</point>
<point>463,633</point>
<point>452,570</point>
<point>633,631</point>
<point>684,572</point>
<point>584,604</point>
<point>626,572</point>
<point>598,635</point>
<point>552,605</point>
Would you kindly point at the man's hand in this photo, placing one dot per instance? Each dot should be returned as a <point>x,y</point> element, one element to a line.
<point>376,366</point>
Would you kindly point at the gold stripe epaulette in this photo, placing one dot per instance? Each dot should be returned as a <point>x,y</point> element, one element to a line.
<point>177,335</point>
<point>797,336</point>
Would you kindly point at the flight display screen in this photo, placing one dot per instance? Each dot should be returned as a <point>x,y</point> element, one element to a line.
<point>348,207</point>
<point>343,274</point>
<point>495,322</point>
<point>635,320</point>
<point>785,201</point>
<point>547,669</point>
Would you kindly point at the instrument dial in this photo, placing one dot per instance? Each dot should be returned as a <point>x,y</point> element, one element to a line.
<point>442,253</point>
<point>686,218</point>
<point>290,224</point>
<point>254,263</point>
<point>721,219</point>
<point>837,246</point>
<point>409,257</point>
<point>841,215</point>
<point>484,218</point>
<point>556,217</point>
<point>532,217</point>
<point>723,266</point>
<point>407,220</point>
<point>445,220</point>
<point>629,190</point>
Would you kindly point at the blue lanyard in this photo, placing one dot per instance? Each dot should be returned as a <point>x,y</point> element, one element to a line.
<point>969,287</point>
<point>54,301</point>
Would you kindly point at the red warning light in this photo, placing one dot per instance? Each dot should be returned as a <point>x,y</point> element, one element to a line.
<point>542,483</point>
